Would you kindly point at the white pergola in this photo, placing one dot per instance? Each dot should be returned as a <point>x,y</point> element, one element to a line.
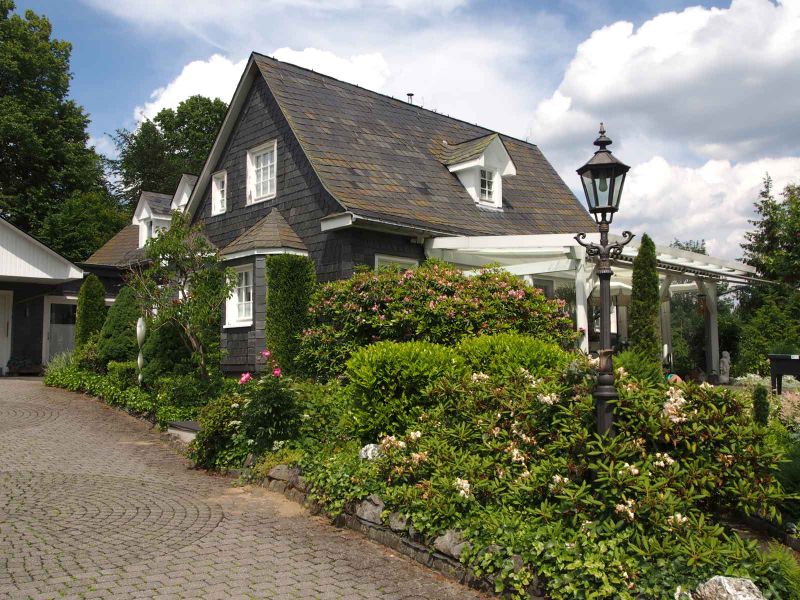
<point>558,260</point>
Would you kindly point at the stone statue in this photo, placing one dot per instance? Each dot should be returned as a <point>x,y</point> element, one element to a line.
<point>725,368</point>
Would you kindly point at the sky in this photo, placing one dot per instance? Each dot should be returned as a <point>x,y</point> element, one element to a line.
<point>700,99</point>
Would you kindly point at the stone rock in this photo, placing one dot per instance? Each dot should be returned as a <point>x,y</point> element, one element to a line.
<point>370,509</point>
<point>452,543</point>
<point>276,485</point>
<point>283,473</point>
<point>727,588</point>
<point>398,522</point>
<point>301,483</point>
<point>370,452</point>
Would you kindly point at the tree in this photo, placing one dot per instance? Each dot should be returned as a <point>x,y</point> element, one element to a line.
<point>645,336</point>
<point>155,155</point>
<point>290,283</point>
<point>118,336</point>
<point>763,242</point>
<point>184,285</point>
<point>91,309</point>
<point>44,158</point>
<point>82,223</point>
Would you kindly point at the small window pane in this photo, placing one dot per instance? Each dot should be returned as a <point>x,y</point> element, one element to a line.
<point>487,181</point>
<point>244,295</point>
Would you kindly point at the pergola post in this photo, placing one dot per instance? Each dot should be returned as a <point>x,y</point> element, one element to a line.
<point>708,289</point>
<point>582,297</point>
<point>665,315</point>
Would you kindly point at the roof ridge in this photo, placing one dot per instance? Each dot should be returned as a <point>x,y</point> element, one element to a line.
<point>392,98</point>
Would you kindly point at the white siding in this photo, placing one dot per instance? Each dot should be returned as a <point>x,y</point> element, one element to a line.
<point>24,258</point>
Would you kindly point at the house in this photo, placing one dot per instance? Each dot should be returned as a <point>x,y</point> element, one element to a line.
<point>307,164</point>
<point>38,297</point>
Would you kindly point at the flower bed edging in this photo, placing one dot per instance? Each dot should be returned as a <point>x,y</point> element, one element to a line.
<point>362,519</point>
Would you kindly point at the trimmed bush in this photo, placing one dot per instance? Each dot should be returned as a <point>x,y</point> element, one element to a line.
<point>434,303</point>
<point>118,336</point>
<point>761,405</point>
<point>87,356</point>
<point>644,333</point>
<point>639,366</point>
<point>123,374</point>
<point>91,312</point>
<point>164,354</point>
<point>291,280</point>
<point>270,414</point>
<point>507,353</point>
<point>388,384</point>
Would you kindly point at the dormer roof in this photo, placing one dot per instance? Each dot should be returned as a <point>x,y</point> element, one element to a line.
<point>271,233</point>
<point>463,155</point>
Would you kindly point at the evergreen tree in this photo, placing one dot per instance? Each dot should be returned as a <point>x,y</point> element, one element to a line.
<point>118,335</point>
<point>763,242</point>
<point>645,336</point>
<point>44,158</point>
<point>91,309</point>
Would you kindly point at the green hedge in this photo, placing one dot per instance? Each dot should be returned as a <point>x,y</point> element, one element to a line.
<point>291,280</point>
<point>164,354</point>
<point>388,384</point>
<point>91,309</point>
<point>507,353</point>
<point>118,336</point>
<point>434,303</point>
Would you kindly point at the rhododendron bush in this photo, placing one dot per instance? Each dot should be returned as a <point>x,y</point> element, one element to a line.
<point>508,456</point>
<point>434,303</point>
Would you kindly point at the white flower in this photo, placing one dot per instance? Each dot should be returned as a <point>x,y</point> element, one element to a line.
<point>235,405</point>
<point>517,456</point>
<point>706,385</point>
<point>234,423</point>
<point>463,487</point>
<point>677,520</point>
<point>627,509</point>
<point>558,483</point>
<point>527,376</point>
<point>478,377</point>
<point>621,372</point>
<point>415,435</point>
<point>628,469</point>
<point>370,452</point>
<point>673,407</point>
<point>663,460</point>
<point>548,399</point>
<point>390,442</point>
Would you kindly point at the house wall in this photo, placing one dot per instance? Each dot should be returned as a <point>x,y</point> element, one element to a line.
<point>301,200</point>
<point>27,319</point>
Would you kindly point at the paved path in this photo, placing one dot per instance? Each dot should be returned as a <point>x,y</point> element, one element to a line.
<point>94,505</point>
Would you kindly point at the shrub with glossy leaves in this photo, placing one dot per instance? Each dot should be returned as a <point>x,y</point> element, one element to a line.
<point>507,353</point>
<point>434,303</point>
<point>511,459</point>
<point>388,384</point>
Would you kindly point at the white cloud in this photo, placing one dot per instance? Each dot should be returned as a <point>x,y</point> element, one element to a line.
<point>719,82</point>
<point>215,78</point>
<point>367,70</point>
<point>104,145</point>
<point>711,202</point>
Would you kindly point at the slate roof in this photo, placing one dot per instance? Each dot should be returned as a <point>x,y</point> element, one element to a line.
<point>453,154</point>
<point>160,204</point>
<point>120,251</point>
<point>382,158</point>
<point>270,232</point>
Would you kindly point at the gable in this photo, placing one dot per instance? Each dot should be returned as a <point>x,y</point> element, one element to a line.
<point>24,258</point>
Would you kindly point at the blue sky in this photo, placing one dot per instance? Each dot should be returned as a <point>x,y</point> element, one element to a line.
<point>696,96</point>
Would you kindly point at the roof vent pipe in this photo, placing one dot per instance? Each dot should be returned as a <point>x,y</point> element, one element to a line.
<point>410,97</point>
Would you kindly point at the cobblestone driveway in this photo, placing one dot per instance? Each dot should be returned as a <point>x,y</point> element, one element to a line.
<point>94,505</point>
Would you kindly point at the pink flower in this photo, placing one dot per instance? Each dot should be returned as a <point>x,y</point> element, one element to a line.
<point>276,372</point>
<point>266,353</point>
<point>245,378</point>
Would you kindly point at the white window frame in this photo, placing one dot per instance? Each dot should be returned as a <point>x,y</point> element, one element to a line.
<point>233,304</point>
<point>491,189</point>
<point>219,204</point>
<point>387,260</point>
<point>252,154</point>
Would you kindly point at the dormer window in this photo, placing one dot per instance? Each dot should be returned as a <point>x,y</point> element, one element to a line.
<point>261,172</point>
<point>481,165</point>
<point>487,181</point>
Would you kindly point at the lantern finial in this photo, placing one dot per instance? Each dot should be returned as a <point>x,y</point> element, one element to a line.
<point>602,141</point>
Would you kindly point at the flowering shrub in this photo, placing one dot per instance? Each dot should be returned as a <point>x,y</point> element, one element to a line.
<point>510,459</point>
<point>435,303</point>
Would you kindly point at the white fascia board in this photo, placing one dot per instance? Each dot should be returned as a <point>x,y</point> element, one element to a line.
<point>337,221</point>
<point>500,158</point>
<point>261,252</point>
<point>475,162</point>
<point>32,270</point>
<point>481,242</point>
<point>142,211</point>
<point>228,123</point>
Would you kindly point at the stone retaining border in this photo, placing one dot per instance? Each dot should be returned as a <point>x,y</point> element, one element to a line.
<point>288,481</point>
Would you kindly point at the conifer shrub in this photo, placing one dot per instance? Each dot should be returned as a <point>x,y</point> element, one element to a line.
<point>640,366</point>
<point>117,339</point>
<point>291,280</point>
<point>644,332</point>
<point>761,405</point>
<point>91,313</point>
<point>434,303</point>
<point>165,354</point>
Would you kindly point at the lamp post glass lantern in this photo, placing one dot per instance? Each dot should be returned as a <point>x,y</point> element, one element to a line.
<point>603,178</point>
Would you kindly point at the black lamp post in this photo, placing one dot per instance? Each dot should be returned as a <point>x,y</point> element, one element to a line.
<point>602,178</point>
